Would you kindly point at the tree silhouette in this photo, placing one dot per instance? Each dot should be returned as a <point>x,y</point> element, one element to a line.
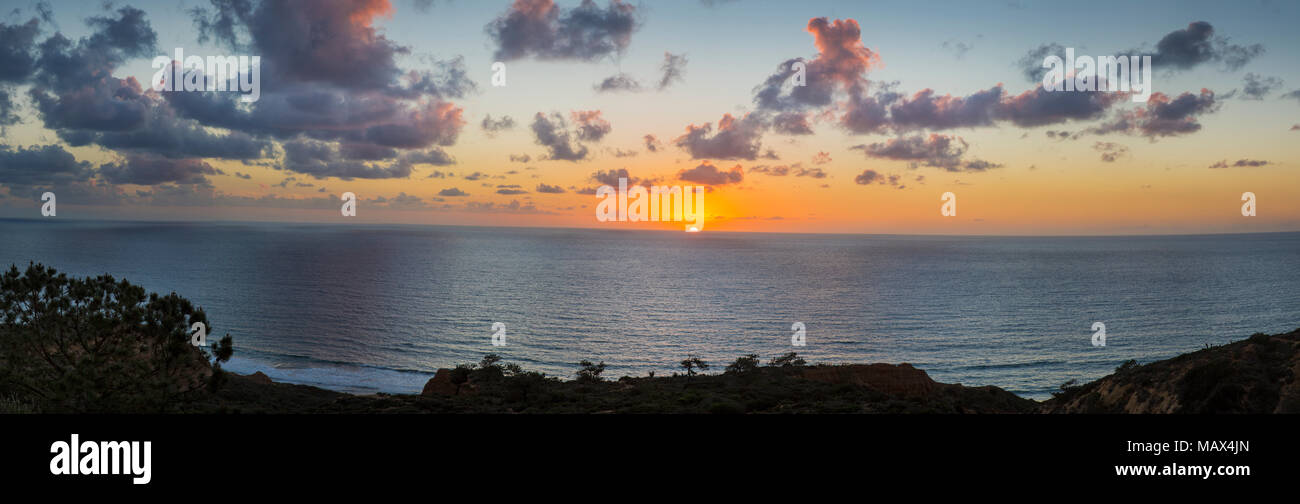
<point>97,344</point>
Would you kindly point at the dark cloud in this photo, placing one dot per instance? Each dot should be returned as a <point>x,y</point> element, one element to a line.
<point>939,151</point>
<point>152,170</point>
<point>323,159</point>
<point>1163,116</point>
<point>791,123</point>
<point>1031,64</point>
<point>541,29</point>
<point>492,126</point>
<point>708,174</point>
<point>618,82</point>
<point>18,50</point>
<point>41,166</point>
<point>549,189</point>
<point>1188,47</point>
<point>868,177</point>
<point>1240,163</point>
<point>520,158</point>
<point>552,132</point>
<point>735,138</point>
<point>610,177</point>
<point>452,192</point>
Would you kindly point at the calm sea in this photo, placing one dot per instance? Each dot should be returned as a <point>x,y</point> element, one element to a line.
<point>370,308</point>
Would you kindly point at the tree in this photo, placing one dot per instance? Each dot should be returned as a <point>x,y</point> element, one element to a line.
<point>743,365</point>
<point>691,363</point>
<point>590,373</point>
<point>97,344</point>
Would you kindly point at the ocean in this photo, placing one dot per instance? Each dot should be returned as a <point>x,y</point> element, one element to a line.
<point>378,308</point>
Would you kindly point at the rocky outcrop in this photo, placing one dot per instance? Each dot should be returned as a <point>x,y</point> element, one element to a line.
<point>1256,375</point>
<point>259,377</point>
<point>440,384</point>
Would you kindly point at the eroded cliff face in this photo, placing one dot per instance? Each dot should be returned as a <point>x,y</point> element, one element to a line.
<point>1256,375</point>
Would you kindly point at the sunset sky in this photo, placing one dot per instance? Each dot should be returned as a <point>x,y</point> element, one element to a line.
<point>904,101</point>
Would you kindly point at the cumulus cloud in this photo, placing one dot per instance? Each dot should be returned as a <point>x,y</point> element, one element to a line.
<point>546,31</point>
<point>1189,47</point>
<point>652,143</point>
<point>734,139</point>
<point>152,170</point>
<point>552,132</point>
<point>41,166</point>
<point>708,174</point>
<point>1163,116</point>
<point>591,127</point>
<point>452,192</point>
<point>549,189</point>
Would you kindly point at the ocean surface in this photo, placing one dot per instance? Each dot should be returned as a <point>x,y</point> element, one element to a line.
<point>367,308</point>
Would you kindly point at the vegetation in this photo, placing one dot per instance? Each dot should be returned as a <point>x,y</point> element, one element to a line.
<point>97,344</point>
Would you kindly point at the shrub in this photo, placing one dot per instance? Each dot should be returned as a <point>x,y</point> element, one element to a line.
<point>743,365</point>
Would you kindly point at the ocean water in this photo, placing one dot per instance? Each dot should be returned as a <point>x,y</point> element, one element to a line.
<point>366,308</point>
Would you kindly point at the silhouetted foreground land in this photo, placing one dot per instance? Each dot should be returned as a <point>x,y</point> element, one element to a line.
<point>1255,375</point>
<point>99,345</point>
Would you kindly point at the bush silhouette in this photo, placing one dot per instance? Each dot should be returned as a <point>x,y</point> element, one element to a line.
<point>97,344</point>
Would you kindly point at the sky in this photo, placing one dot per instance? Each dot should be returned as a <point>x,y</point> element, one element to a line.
<point>901,102</point>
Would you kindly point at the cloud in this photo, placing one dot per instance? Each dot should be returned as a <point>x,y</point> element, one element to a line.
<point>618,82</point>
<point>323,159</point>
<point>151,170</point>
<point>520,158</point>
<point>1256,87</point>
<point>940,151</point>
<point>549,189</point>
<point>957,47</point>
<point>610,177</point>
<point>708,174</point>
<point>821,157</point>
<point>1189,47</point>
<point>672,69</point>
<point>551,134</point>
<point>451,192</point>
<point>590,125</point>
<point>735,138</point>
<point>1240,163</point>
<point>1110,151</point>
<point>1163,116</point>
<point>791,123</point>
<point>652,143</point>
<point>495,126</point>
<point>543,30</point>
<point>402,201</point>
<point>41,166</point>
<point>868,177</point>
<point>1031,64</point>
<point>841,63</point>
